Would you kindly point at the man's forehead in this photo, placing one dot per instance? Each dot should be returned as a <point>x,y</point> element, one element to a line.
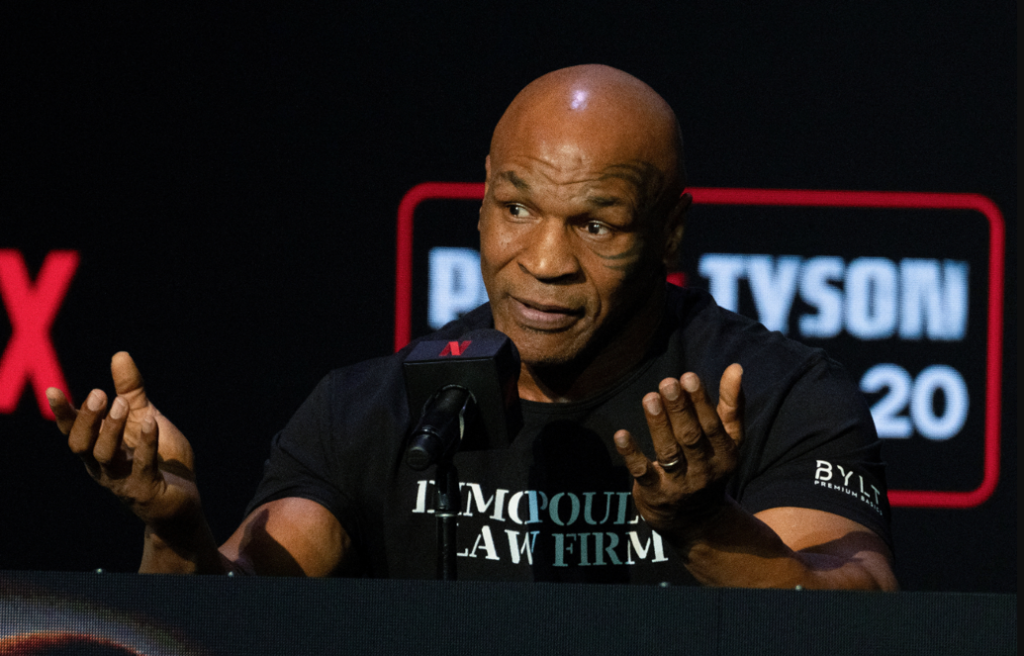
<point>588,125</point>
<point>514,179</point>
<point>579,152</point>
<point>571,142</point>
<point>617,178</point>
<point>608,190</point>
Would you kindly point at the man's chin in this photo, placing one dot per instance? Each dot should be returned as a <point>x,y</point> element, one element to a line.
<point>549,350</point>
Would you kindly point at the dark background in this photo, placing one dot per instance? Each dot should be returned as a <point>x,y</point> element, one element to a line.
<point>231,177</point>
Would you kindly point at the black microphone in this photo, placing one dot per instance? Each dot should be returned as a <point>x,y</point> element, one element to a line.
<point>467,390</point>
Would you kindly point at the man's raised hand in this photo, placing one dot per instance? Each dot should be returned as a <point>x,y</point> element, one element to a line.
<point>130,448</point>
<point>696,449</point>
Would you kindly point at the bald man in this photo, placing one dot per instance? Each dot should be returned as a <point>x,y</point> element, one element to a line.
<point>664,439</point>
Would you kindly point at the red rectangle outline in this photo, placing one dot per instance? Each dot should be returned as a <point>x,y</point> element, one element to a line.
<point>793,198</point>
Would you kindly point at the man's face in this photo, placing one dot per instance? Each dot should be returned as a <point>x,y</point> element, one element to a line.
<point>565,254</point>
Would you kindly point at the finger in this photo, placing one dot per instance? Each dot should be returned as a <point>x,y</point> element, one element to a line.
<point>128,381</point>
<point>144,460</point>
<point>710,423</point>
<point>637,463</point>
<point>686,428</point>
<point>666,447</point>
<point>62,409</point>
<point>730,402</point>
<point>86,427</point>
<point>694,445</point>
<point>111,433</point>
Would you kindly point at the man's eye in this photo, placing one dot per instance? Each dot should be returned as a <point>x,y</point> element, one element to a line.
<point>518,211</point>
<point>597,229</point>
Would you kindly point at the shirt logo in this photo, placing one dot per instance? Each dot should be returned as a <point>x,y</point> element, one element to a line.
<point>841,479</point>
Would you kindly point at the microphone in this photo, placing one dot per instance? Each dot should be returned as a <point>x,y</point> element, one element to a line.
<point>465,389</point>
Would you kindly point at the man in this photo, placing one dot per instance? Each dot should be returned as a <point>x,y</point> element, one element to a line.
<point>608,480</point>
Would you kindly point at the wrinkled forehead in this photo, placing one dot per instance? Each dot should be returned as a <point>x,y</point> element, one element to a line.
<point>603,163</point>
<point>632,186</point>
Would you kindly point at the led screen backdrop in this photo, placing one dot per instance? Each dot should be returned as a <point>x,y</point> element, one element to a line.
<point>247,199</point>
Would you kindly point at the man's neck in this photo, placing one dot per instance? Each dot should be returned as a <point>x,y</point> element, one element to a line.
<point>603,368</point>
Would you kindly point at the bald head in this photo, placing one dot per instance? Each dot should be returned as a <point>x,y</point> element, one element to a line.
<point>583,210</point>
<point>602,114</point>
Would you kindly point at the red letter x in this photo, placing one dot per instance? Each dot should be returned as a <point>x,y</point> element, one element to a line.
<point>30,354</point>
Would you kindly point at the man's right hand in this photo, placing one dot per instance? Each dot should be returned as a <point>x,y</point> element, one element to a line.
<point>133,451</point>
<point>136,453</point>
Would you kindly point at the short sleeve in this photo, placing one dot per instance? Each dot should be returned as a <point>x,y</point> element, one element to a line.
<point>298,465</point>
<point>821,451</point>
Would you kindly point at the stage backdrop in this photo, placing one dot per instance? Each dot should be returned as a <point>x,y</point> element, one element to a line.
<point>246,199</point>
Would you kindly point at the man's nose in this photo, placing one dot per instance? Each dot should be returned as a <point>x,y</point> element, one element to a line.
<point>550,256</point>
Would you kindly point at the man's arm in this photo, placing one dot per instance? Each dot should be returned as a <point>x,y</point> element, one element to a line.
<point>287,537</point>
<point>682,496</point>
<point>787,547</point>
<point>290,537</point>
<point>135,452</point>
<point>844,554</point>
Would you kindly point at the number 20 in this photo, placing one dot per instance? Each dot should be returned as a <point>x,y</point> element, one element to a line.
<point>920,395</point>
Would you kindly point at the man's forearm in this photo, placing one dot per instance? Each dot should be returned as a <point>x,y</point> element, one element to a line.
<point>191,550</point>
<point>735,549</point>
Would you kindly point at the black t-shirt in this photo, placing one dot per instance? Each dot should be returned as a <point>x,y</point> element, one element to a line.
<point>554,504</point>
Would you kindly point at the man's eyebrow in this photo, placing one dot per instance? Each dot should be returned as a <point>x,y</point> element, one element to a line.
<point>604,201</point>
<point>515,180</point>
<point>637,174</point>
<point>644,177</point>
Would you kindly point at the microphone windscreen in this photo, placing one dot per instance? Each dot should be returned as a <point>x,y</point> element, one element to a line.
<point>483,361</point>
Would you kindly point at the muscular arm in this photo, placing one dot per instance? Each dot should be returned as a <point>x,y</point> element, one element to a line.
<point>290,537</point>
<point>682,495</point>
<point>787,547</point>
<point>836,552</point>
<point>286,537</point>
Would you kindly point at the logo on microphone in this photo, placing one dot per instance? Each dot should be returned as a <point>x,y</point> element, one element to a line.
<point>455,348</point>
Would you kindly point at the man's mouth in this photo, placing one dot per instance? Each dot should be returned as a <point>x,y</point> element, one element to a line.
<point>544,316</point>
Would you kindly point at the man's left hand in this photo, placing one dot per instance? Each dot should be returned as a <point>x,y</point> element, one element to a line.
<point>697,448</point>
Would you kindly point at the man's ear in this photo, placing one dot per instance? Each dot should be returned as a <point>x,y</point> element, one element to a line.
<point>675,225</point>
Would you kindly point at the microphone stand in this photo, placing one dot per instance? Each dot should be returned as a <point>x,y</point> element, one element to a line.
<point>447,504</point>
<point>450,413</point>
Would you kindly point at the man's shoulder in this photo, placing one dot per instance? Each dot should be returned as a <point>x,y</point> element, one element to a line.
<point>713,335</point>
<point>696,314</point>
